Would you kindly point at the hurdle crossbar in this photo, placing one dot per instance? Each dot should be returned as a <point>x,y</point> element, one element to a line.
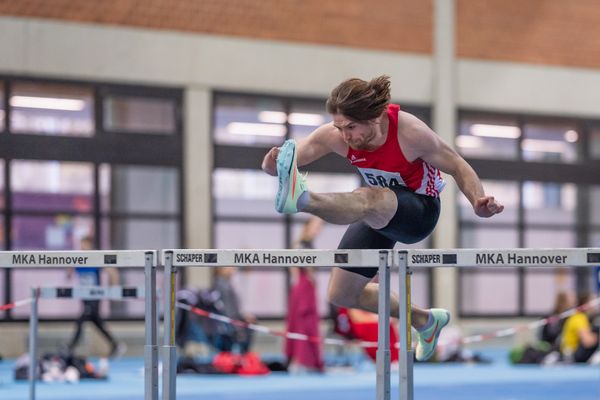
<point>465,258</point>
<point>78,259</point>
<point>565,257</point>
<point>274,258</point>
<point>172,259</point>
<point>94,259</point>
<point>93,292</point>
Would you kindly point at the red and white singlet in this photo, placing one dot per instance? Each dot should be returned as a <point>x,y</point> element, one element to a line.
<point>387,166</point>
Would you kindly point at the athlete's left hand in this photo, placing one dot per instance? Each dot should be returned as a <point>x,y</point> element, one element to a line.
<point>487,206</point>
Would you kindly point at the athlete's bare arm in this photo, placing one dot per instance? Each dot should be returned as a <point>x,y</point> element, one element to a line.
<point>322,141</point>
<point>419,141</point>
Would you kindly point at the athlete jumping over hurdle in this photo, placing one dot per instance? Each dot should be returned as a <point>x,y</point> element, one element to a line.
<point>400,158</point>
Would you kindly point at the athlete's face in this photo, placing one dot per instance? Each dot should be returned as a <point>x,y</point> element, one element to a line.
<point>357,134</point>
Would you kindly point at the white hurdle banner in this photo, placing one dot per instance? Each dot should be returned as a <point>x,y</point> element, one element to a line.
<point>93,292</point>
<point>405,260</point>
<point>172,259</point>
<point>566,257</point>
<point>274,258</point>
<point>61,259</point>
<point>146,259</point>
<point>465,258</point>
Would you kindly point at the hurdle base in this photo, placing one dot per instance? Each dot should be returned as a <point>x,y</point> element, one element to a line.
<point>169,356</point>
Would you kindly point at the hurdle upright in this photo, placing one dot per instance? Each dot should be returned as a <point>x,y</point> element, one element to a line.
<point>94,259</point>
<point>479,258</point>
<point>175,258</point>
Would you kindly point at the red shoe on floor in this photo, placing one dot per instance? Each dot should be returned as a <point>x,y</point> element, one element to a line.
<point>252,365</point>
<point>226,362</point>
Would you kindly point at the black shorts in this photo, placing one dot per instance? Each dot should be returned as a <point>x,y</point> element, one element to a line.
<point>414,220</point>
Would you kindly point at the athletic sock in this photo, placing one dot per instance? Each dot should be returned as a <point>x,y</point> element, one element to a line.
<point>303,201</point>
<point>428,324</point>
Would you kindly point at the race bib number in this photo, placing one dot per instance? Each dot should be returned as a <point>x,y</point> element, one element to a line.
<point>376,177</point>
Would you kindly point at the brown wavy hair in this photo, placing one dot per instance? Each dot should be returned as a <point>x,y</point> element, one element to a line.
<point>360,100</point>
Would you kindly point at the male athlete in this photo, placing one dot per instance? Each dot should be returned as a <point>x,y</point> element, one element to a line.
<point>400,159</point>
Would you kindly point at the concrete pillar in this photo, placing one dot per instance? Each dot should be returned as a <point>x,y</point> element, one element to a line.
<point>198,162</point>
<point>444,123</point>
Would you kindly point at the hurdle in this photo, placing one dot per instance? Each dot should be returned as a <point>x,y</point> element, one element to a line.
<point>91,259</point>
<point>75,292</point>
<point>480,258</point>
<point>177,258</point>
<point>405,260</point>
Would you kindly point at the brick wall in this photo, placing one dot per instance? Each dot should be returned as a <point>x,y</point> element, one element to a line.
<point>396,25</point>
<point>554,32</point>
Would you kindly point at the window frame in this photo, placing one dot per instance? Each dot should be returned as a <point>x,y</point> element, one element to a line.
<point>581,173</point>
<point>103,147</point>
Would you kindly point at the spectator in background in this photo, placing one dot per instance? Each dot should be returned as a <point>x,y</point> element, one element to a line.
<point>228,303</point>
<point>303,314</point>
<point>579,338</point>
<point>226,299</point>
<point>551,332</point>
<point>546,350</point>
<point>91,308</point>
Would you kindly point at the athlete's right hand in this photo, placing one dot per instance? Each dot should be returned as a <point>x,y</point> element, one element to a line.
<point>269,164</point>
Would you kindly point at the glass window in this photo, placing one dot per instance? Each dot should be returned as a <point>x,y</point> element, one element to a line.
<point>549,203</point>
<point>53,232</point>
<point>506,192</point>
<point>251,286</point>
<point>249,235</point>
<point>136,189</point>
<point>328,238</point>
<point>250,121</point>
<point>490,292</point>
<point>488,137</point>
<point>321,278</point>
<point>419,284</point>
<point>305,117</point>
<point>595,238</point>
<point>52,109</point>
<point>22,280</point>
<point>484,237</point>
<point>140,114</point>
<point>2,107</point>
<point>131,234</point>
<point>132,308</point>
<point>52,185</point>
<point>244,192</point>
<point>595,204</point>
<point>2,202</point>
<point>551,142</point>
<point>2,237</point>
<point>595,143</point>
<point>2,293</point>
<point>543,284</point>
<point>549,238</point>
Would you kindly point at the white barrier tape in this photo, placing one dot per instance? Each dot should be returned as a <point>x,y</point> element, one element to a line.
<point>18,303</point>
<point>259,328</point>
<point>297,336</point>
<point>530,326</point>
<point>340,342</point>
<point>23,302</point>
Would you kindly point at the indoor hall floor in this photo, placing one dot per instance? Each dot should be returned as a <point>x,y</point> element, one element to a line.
<point>496,381</point>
